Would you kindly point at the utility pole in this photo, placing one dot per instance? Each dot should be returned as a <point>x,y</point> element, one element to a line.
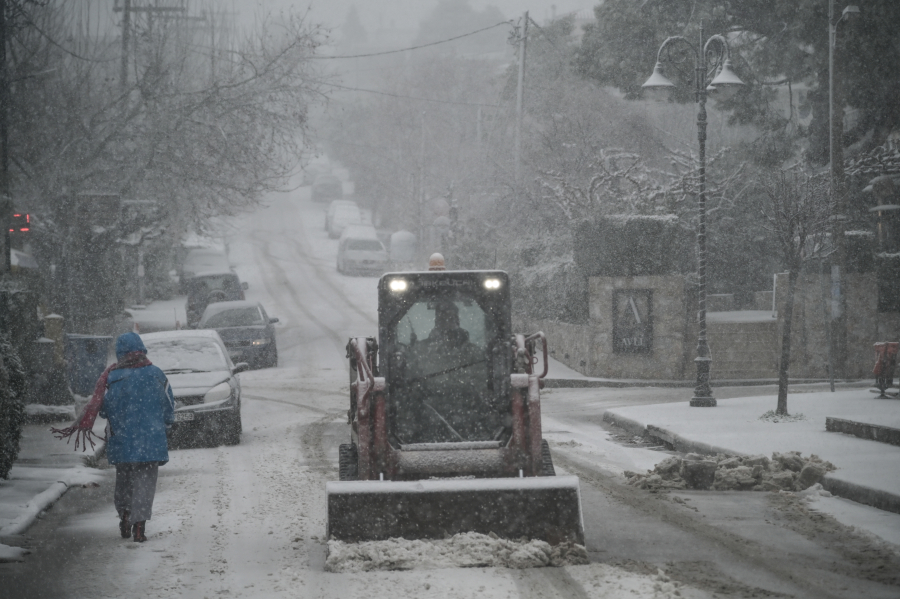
<point>520,97</point>
<point>126,38</point>
<point>6,207</point>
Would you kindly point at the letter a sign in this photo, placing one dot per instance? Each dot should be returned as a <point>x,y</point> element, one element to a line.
<point>632,320</point>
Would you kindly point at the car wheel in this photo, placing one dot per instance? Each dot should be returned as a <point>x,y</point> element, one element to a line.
<point>233,429</point>
<point>348,462</point>
<point>273,358</point>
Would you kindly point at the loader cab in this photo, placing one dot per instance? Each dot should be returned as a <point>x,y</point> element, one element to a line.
<point>445,354</point>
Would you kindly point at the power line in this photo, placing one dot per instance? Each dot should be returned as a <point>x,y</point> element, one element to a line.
<point>380,93</point>
<point>451,39</point>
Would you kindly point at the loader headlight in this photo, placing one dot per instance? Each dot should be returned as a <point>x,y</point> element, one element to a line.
<point>218,393</point>
<point>492,283</point>
<point>397,285</point>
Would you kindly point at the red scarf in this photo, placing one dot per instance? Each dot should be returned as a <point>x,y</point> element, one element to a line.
<point>83,428</point>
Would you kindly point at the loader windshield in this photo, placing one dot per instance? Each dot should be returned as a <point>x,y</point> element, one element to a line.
<point>443,385</point>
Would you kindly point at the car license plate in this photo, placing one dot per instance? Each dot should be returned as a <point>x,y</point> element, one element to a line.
<point>184,416</point>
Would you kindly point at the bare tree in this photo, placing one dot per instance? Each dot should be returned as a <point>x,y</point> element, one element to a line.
<point>797,210</point>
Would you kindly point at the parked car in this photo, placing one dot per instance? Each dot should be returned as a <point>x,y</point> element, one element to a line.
<point>203,260</point>
<point>344,216</point>
<point>204,382</point>
<point>246,330</point>
<point>360,251</point>
<point>209,287</point>
<point>327,187</point>
<point>332,208</point>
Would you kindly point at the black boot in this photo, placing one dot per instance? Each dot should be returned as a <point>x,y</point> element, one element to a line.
<point>138,530</point>
<point>124,525</point>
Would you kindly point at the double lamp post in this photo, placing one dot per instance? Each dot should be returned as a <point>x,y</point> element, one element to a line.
<point>713,73</point>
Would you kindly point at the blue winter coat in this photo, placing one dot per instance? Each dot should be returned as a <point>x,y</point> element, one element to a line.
<point>138,404</point>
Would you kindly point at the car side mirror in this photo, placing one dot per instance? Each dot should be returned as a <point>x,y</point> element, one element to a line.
<point>245,286</point>
<point>240,367</point>
<point>273,320</point>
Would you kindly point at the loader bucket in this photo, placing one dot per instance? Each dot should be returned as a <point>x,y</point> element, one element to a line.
<point>546,508</point>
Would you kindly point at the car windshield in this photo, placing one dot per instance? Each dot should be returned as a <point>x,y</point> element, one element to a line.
<point>443,384</point>
<point>370,245</point>
<point>224,282</point>
<point>186,354</point>
<point>347,212</point>
<point>236,317</point>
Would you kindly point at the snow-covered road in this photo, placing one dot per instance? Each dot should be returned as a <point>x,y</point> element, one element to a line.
<point>249,520</point>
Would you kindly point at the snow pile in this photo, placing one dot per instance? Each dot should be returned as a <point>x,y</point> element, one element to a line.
<point>464,550</point>
<point>772,416</point>
<point>38,413</point>
<point>12,554</point>
<point>787,471</point>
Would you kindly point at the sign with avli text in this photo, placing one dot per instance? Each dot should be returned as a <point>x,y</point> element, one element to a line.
<point>632,320</point>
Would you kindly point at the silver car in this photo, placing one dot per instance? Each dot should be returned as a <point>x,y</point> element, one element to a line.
<point>204,382</point>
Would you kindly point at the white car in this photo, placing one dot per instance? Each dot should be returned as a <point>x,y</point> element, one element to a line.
<point>344,216</point>
<point>332,208</point>
<point>204,382</point>
<point>360,251</point>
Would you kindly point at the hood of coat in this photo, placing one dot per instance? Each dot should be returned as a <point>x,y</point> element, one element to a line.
<point>127,343</point>
<point>195,383</point>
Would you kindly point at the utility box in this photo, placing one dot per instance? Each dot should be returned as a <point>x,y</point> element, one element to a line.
<point>86,356</point>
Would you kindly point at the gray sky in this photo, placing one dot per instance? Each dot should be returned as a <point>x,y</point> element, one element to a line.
<point>405,14</point>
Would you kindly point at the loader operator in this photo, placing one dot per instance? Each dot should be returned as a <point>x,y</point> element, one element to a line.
<point>449,373</point>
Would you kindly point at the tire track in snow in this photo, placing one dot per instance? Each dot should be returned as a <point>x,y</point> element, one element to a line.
<point>302,248</point>
<point>328,331</point>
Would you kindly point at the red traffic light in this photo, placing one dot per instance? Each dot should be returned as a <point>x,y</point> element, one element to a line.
<point>21,223</point>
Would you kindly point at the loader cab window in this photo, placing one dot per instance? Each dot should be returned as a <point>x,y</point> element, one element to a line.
<point>442,379</point>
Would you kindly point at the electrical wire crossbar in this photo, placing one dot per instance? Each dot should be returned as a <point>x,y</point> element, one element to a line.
<point>450,39</point>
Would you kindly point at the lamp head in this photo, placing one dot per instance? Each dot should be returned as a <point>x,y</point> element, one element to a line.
<point>850,12</point>
<point>726,81</point>
<point>658,85</point>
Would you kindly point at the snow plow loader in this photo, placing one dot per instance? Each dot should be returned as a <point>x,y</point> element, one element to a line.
<point>445,420</point>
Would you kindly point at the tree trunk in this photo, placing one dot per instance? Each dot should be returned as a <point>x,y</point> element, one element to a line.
<point>782,410</point>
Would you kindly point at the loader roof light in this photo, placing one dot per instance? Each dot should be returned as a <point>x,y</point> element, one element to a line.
<point>492,283</point>
<point>436,262</point>
<point>398,285</point>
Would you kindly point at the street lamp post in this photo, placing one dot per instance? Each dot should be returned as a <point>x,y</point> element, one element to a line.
<point>837,325</point>
<point>724,80</point>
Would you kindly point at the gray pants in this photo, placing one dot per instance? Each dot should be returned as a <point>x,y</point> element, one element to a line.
<point>135,489</point>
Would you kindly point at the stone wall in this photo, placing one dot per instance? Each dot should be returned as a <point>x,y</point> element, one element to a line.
<point>589,348</point>
<point>809,339</point>
<point>741,349</point>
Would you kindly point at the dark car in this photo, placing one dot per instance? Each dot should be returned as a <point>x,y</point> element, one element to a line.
<point>327,187</point>
<point>209,287</point>
<point>207,392</point>
<point>246,330</point>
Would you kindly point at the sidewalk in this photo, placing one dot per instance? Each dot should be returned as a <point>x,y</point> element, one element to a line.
<point>867,472</point>
<point>45,469</point>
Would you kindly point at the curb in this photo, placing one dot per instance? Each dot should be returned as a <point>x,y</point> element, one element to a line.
<point>33,508</point>
<point>40,502</point>
<point>876,498</point>
<point>863,430</point>
<point>562,383</point>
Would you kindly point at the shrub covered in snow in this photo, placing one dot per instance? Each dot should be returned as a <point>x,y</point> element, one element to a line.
<point>12,411</point>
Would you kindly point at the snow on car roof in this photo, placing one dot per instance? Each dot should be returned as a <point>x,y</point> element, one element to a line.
<point>212,273</point>
<point>182,334</point>
<point>232,305</point>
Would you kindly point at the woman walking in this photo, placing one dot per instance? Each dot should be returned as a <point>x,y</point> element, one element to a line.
<point>136,399</point>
